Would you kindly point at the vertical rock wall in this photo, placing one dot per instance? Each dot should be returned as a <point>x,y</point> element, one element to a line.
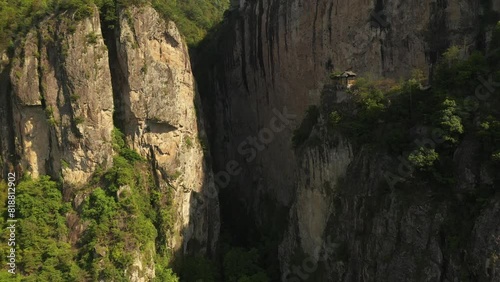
<point>63,92</point>
<point>279,54</point>
<point>62,100</point>
<point>159,112</point>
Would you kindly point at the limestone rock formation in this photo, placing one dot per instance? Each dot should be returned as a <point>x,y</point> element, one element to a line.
<point>62,100</point>
<point>275,54</point>
<point>71,82</point>
<point>158,109</point>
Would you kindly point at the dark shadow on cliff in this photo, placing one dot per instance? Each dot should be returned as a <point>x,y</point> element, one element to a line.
<point>241,240</point>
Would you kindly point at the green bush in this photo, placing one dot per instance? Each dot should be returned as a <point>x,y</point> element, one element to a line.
<point>423,158</point>
<point>496,156</point>
<point>44,255</point>
<point>99,206</point>
<point>370,97</point>
<point>92,38</point>
<point>334,118</point>
<point>189,142</point>
<point>165,275</point>
<point>119,146</point>
<point>79,120</point>
<point>449,121</point>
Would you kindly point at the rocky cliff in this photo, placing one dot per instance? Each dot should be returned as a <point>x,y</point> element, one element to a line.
<point>70,82</point>
<point>277,56</point>
<point>347,224</point>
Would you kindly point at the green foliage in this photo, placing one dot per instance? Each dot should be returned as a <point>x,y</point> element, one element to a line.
<point>243,265</point>
<point>121,220</point>
<point>121,148</point>
<point>301,134</point>
<point>127,215</point>
<point>166,275</point>
<point>449,121</point>
<point>91,38</point>
<point>44,254</point>
<point>334,74</point>
<point>387,114</point>
<point>193,17</point>
<point>369,96</point>
<point>370,109</point>
<point>118,140</point>
<point>334,118</point>
<point>17,16</point>
<point>496,156</point>
<point>162,270</point>
<point>51,120</point>
<point>489,131</point>
<point>144,69</point>
<point>79,120</point>
<point>189,142</point>
<point>74,98</point>
<point>122,173</point>
<point>458,72</point>
<point>99,207</point>
<point>175,175</point>
<point>423,158</point>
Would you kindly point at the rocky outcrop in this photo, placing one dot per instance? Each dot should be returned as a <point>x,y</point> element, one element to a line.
<point>346,224</point>
<point>276,54</point>
<point>70,82</point>
<point>321,169</point>
<point>279,54</point>
<point>62,100</point>
<point>158,110</point>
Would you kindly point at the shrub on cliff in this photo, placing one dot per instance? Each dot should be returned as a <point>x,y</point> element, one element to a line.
<point>449,121</point>
<point>423,158</point>
<point>44,254</point>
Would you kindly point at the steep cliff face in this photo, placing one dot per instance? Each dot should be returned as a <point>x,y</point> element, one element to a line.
<point>277,54</point>
<point>158,103</point>
<point>346,224</point>
<point>70,83</point>
<point>62,127</point>
<point>274,55</point>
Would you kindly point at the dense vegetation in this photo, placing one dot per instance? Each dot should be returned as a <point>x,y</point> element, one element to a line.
<point>463,102</point>
<point>120,214</point>
<point>193,17</point>
<point>423,136</point>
